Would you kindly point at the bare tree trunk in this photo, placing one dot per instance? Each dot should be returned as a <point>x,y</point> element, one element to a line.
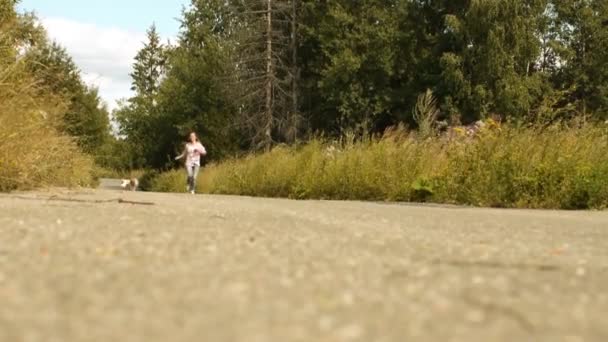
<point>294,60</point>
<point>265,71</point>
<point>269,75</point>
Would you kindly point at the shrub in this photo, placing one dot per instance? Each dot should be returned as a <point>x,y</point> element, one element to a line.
<point>32,151</point>
<point>556,167</point>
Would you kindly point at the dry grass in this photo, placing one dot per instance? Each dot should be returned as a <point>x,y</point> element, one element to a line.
<point>175,181</point>
<point>557,167</point>
<point>32,152</point>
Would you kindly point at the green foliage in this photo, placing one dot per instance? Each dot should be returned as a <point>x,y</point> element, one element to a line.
<point>581,36</point>
<point>426,113</point>
<point>360,66</point>
<point>365,62</point>
<point>349,59</point>
<point>86,117</point>
<point>179,90</point>
<point>149,67</point>
<point>139,117</point>
<point>422,190</point>
<point>19,31</point>
<point>193,97</point>
<point>171,181</point>
<point>116,154</point>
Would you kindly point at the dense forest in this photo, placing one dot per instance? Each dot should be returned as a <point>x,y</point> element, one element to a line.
<point>248,74</point>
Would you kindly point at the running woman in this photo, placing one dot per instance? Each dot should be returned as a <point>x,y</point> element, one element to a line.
<point>193,152</point>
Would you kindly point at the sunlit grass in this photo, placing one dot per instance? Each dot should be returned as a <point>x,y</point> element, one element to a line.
<point>556,167</point>
<point>33,153</point>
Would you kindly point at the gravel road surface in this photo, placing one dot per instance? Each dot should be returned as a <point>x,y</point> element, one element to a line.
<point>79,266</point>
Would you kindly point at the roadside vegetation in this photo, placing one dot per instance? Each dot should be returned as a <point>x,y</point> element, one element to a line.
<point>35,150</point>
<point>33,153</point>
<point>486,103</point>
<point>557,167</point>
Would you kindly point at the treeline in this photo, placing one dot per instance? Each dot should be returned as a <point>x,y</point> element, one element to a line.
<point>248,74</point>
<point>52,125</point>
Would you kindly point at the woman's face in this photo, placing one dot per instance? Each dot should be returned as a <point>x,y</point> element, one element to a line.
<point>192,137</point>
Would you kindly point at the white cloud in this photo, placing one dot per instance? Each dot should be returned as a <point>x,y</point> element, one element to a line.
<point>104,55</point>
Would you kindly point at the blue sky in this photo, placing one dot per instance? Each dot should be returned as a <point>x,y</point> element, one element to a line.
<point>133,15</point>
<point>103,36</point>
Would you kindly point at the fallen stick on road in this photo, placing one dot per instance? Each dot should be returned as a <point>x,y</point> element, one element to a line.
<point>61,199</point>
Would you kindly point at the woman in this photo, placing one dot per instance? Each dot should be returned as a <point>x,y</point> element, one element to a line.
<point>193,152</point>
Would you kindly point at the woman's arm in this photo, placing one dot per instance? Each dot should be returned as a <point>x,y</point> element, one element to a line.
<point>201,149</point>
<point>181,156</point>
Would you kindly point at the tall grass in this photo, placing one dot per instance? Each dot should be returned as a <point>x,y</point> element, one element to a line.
<point>32,152</point>
<point>557,167</point>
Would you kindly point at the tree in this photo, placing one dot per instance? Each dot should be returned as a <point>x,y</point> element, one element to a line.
<point>293,125</point>
<point>33,152</point>
<point>581,40</point>
<point>182,88</point>
<point>266,70</point>
<point>138,117</point>
<point>86,118</point>
<point>247,74</point>
<point>480,57</point>
<point>195,95</point>
<point>149,67</point>
<point>349,52</point>
<point>20,31</point>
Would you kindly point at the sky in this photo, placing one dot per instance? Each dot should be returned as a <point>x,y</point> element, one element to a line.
<point>103,36</point>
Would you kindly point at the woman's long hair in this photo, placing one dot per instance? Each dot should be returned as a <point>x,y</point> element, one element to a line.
<point>195,137</point>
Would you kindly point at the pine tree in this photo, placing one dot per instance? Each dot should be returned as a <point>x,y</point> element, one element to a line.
<point>149,66</point>
<point>138,116</point>
<point>266,70</point>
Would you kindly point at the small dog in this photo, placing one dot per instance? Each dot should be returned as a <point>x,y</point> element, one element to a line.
<point>130,184</point>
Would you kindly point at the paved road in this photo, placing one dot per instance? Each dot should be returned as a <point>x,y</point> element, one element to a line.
<point>110,184</point>
<point>162,267</point>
